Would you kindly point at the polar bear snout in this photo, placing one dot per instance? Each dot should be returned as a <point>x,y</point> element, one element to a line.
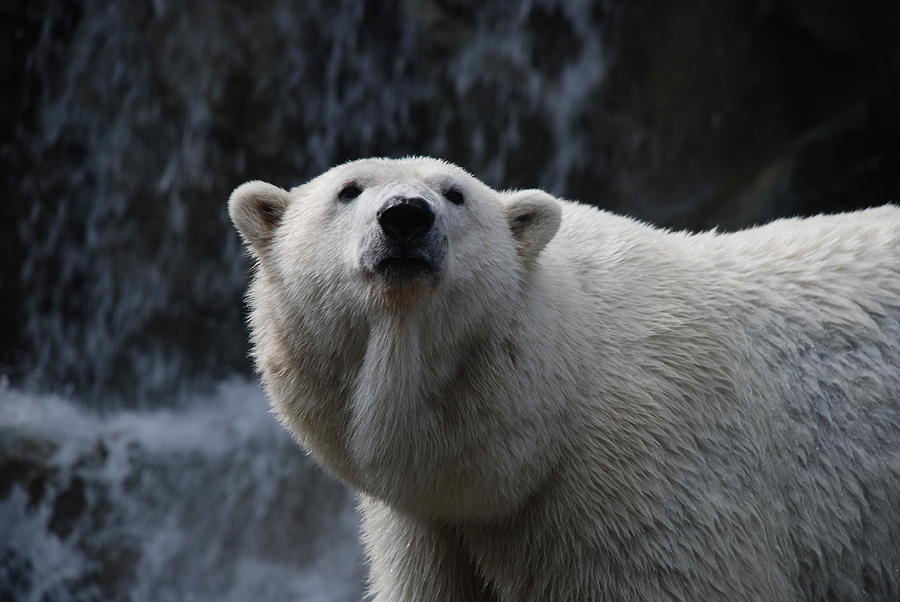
<point>404,219</point>
<point>409,244</point>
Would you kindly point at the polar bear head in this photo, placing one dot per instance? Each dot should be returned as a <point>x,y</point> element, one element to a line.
<point>397,226</point>
<point>382,288</point>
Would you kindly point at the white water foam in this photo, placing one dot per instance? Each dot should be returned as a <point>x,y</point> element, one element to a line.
<point>212,502</point>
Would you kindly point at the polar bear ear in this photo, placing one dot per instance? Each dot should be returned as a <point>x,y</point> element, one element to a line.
<point>256,208</point>
<point>534,217</point>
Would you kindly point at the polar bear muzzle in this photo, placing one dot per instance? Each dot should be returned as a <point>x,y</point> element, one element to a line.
<point>410,247</point>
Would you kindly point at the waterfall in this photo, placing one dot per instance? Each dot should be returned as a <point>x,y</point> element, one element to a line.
<point>138,458</point>
<point>147,115</point>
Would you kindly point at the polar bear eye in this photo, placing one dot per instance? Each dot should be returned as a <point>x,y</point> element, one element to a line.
<point>349,192</point>
<point>454,196</point>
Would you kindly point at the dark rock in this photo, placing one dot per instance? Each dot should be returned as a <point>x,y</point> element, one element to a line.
<point>26,462</point>
<point>68,508</point>
<point>734,114</point>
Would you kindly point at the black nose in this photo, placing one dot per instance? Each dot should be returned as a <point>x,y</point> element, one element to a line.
<point>404,219</point>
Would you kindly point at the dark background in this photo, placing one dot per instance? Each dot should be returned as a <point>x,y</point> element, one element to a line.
<point>126,125</point>
<point>136,458</point>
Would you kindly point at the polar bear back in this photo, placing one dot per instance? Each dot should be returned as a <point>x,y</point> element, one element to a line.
<point>785,337</point>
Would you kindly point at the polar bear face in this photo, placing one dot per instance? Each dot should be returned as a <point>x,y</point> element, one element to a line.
<point>387,231</point>
<point>383,289</point>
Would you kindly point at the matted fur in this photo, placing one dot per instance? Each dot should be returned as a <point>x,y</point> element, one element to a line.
<point>582,407</point>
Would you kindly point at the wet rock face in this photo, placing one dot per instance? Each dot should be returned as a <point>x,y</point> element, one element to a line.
<point>743,112</point>
<point>131,122</point>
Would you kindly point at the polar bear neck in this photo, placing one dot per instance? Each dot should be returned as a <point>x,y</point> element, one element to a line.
<point>404,393</point>
<point>443,422</point>
<point>398,367</point>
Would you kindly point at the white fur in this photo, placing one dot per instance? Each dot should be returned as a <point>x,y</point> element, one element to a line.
<point>582,407</point>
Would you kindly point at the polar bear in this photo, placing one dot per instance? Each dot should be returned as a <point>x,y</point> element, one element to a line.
<point>538,400</point>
